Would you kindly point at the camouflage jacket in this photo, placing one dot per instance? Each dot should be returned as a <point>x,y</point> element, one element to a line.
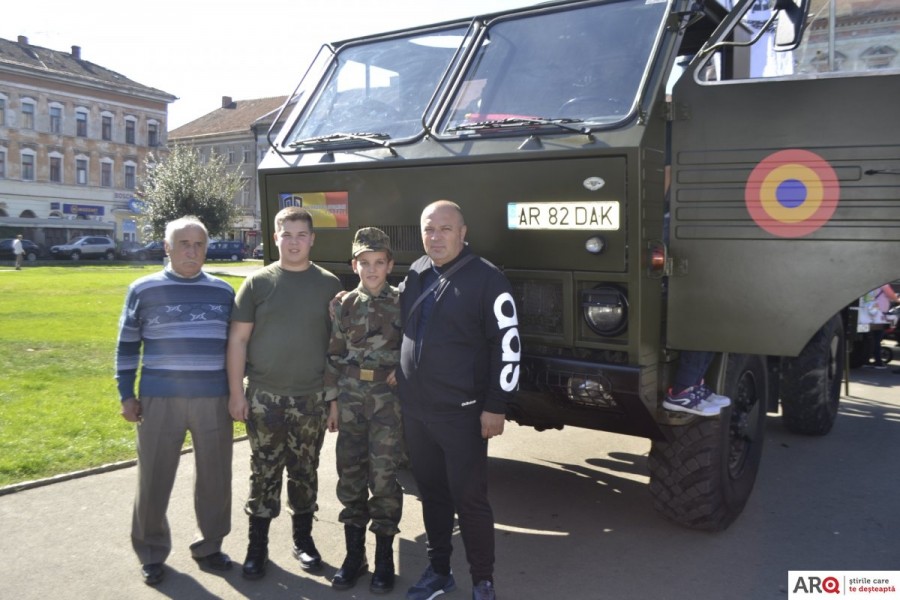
<point>365,333</point>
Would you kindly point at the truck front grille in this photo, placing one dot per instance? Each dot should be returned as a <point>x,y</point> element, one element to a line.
<point>539,303</point>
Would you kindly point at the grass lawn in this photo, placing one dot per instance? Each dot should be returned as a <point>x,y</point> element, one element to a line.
<point>59,409</point>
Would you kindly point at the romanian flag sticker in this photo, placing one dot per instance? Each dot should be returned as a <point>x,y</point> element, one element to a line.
<point>792,193</point>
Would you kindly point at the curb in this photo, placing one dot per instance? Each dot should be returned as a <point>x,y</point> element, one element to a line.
<point>36,483</point>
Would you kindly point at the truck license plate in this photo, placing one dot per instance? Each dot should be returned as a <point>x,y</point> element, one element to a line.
<point>601,215</point>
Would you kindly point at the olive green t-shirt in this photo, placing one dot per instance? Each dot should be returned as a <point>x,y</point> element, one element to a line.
<point>291,328</point>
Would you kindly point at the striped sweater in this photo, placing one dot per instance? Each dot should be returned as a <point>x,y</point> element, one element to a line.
<point>175,329</point>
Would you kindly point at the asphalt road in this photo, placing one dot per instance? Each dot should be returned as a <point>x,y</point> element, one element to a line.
<point>574,520</point>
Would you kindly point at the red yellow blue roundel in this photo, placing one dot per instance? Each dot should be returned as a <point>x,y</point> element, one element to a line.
<point>792,193</point>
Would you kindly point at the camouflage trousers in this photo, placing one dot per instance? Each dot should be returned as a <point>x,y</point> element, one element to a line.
<point>286,434</point>
<point>369,446</point>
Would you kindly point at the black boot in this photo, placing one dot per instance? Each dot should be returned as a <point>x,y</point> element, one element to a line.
<point>355,563</point>
<point>257,548</point>
<point>304,547</point>
<point>383,577</point>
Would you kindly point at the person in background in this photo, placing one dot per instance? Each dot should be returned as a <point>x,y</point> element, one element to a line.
<point>19,251</point>
<point>459,368</point>
<point>174,327</point>
<point>876,305</point>
<point>279,334</point>
<point>364,350</point>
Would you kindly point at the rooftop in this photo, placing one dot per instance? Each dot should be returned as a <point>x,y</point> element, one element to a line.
<point>24,57</point>
<point>234,116</point>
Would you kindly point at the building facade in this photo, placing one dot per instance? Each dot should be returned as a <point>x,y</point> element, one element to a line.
<point>74,140</point>
<point>236,131</point>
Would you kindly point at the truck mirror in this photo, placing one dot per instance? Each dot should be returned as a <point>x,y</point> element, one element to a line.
<point>790,17</point>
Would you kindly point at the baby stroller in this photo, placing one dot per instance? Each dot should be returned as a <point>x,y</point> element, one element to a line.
<point>892,316</point>
<point>890,333</point>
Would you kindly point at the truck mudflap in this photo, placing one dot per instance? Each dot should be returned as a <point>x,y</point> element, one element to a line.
<point>556,391</point>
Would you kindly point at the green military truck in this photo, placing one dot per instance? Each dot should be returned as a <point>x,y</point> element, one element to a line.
<point>653,176</point>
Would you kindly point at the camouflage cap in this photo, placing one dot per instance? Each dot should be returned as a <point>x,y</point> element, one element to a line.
<point>371,239</point>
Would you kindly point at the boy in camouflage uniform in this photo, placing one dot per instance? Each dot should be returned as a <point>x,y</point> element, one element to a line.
<point>363,409</point>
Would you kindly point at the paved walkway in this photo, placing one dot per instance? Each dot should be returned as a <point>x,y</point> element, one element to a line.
<point>71,539</point>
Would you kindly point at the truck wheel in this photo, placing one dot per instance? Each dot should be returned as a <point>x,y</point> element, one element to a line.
<point>702,477</point>
<point>811,382</point>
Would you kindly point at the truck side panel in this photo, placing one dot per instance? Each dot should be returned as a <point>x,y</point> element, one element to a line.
<point>812,195</point>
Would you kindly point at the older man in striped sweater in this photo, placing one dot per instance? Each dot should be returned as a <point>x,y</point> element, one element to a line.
<point>174,327</point>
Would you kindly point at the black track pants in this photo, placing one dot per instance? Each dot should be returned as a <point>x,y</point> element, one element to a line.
<point>449,463</point>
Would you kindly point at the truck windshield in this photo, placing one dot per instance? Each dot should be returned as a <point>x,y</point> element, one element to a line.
<point>378,91</point>
<point>582,65</point>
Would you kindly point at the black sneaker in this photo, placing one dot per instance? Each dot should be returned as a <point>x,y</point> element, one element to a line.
<point>484,591</point>
<point>431,585</point>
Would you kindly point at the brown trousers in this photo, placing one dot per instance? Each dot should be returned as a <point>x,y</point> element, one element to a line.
<point>160,436</point>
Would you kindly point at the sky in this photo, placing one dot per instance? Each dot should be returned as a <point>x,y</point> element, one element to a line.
<point>201,50</point>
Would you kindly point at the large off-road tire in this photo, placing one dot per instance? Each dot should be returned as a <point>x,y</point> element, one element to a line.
<point>811,382</point>
<point>703,476</point>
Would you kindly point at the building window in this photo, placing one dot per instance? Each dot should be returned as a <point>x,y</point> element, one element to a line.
<point>106,126</point>
<point>878,57</point>
<point>2,111</point>
<point>55,119</point>
<point>2,164</point>
<point>81,123</point>
<point>27,114</point>
<point>130,177</point>
<point>81,171</point>
<point>129,130</point>
<point>152,134</point>
<point>106,174</point>
<point>56,169</point>
<point>247,156</point>
<point>28,167</point>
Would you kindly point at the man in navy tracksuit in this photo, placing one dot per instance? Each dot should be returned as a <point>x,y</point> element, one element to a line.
<point>459,367</point>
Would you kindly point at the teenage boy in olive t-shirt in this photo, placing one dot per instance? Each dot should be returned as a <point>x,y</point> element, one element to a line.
<point>279,334</point>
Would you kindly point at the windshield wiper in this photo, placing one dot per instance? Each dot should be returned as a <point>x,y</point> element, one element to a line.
<point>376,139</point>
<point>512,122</point>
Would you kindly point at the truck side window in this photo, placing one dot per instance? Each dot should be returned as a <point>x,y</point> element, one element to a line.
<point>832,45</point>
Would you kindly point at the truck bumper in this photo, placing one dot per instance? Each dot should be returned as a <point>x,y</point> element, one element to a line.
<point>554,392</point>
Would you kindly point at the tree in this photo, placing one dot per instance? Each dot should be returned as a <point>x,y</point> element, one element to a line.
<point>182,185</point>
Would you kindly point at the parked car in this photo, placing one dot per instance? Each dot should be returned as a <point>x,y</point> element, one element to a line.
<point>127,246</point>
<point>32,250</point>
<point>258,251</point>
<point>151,251</point>
<point>228,250</point>
<point>86,246</point>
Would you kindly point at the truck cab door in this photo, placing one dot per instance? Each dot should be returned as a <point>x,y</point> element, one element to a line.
<point>785,192</point>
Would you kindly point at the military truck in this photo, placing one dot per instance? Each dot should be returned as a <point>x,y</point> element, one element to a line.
<point>654,177</point>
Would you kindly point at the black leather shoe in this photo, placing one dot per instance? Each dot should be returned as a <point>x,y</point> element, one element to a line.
<point>152,573</point>
<point>217,561</point>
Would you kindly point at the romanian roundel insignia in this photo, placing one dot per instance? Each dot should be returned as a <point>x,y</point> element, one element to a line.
<point>792,193</point>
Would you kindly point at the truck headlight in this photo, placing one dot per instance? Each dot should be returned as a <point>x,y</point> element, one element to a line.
<point>605,309</point>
